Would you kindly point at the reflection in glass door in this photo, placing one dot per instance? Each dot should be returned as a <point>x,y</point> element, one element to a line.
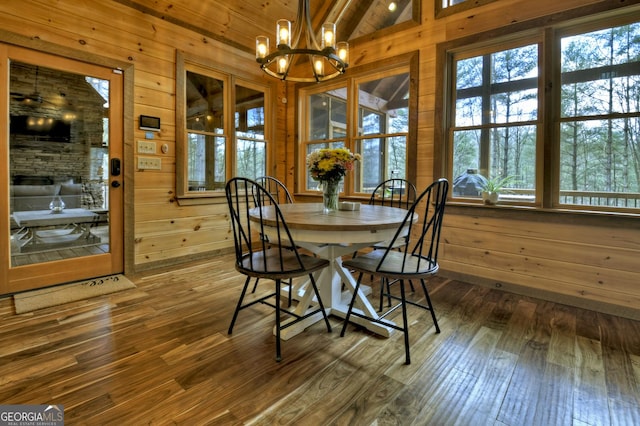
<point>59,156</point>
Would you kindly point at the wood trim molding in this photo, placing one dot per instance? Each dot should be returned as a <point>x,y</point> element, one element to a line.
<point>598,306</point>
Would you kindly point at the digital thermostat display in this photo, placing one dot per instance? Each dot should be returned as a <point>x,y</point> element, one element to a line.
<point>149,123</point>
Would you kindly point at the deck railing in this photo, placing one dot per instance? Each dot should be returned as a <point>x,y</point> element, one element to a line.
<point>583,198</point>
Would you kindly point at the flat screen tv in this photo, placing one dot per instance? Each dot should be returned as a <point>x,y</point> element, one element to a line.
<point>42,128</point>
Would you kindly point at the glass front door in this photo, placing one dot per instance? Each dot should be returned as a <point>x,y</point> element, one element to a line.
<point>61,141</point>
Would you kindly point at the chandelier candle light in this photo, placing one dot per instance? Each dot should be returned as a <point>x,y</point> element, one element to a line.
<point>327,59</point>
<point>328,166</point>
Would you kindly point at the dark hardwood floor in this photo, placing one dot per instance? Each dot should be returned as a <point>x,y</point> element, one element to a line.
<point>160,354</point>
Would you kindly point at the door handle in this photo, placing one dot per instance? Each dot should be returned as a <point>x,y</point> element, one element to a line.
<point>115,184</point>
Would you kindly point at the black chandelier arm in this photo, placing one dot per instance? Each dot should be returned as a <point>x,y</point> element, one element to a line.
<point>327,52</point>
<point>314,79</point>
<point>338,65</point>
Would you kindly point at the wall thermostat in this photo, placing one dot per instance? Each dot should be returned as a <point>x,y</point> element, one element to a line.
<point>147,122</point>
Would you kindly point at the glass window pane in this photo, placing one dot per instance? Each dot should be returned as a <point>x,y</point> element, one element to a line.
<point>205,103</point>
<point>383,103</point>
<point>371,166</point>
<point>58,156</point>
<point>377,111</point>
<point>206,150</point>
<point>382,158</point>
<point>600,72</point>
<point>397,157</point>
<point>466,152</point>
<point>468,112</point>
<point>450,3</point>
<point>498,88</point>
<point>515,64</point>
<point>328,115</point>
<point>383,111</point>
<point>206,160</point>
<point>251,158</point>
<point>493,89</point>
<point>515,106</point>
<point>469,73</point>
<point>371,122</point>
<point>599,157</point>
<point>512,153</point>
<point>598,162</point>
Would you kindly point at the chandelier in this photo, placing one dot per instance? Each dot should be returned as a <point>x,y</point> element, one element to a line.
<point>325,60</point>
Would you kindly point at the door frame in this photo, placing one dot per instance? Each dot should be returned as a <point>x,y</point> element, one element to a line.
<point>26,277</point>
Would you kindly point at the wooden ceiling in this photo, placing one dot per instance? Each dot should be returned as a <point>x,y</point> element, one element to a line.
<point>237,23</point>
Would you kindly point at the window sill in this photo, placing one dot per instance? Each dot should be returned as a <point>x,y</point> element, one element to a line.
<point>537,214</point>
<point>201,199</point>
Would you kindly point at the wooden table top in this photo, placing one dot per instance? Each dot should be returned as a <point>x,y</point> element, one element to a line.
<point>310,216</point>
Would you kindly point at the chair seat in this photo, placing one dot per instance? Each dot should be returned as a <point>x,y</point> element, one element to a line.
<point>394,266</point>
<point>267,264</point>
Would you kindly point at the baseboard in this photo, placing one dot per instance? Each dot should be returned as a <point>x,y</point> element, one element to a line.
<point>593,305</point>
<point>182,260</point>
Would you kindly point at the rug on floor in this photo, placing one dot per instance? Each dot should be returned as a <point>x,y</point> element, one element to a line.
<point>52,296</point>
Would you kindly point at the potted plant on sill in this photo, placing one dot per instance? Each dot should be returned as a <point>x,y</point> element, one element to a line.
<point>492,188</point>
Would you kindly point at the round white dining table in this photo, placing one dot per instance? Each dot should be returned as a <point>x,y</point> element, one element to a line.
<point>331,235</point>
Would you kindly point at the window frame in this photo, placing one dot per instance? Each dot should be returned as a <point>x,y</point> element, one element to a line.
<point>548,145</point>
<point>489,48</point>
<point>406,63</point>
<point>442,11</point>
<point>191,63</point>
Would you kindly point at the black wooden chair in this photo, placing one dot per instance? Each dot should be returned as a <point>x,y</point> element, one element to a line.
<point>417,260</point>
<point>276,188</point>
<point>276,260</point>
<point>281,195</point>
<point>396,192</point>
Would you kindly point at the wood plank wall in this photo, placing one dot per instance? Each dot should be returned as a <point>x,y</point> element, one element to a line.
<point>164,231</point>
<point>593,263</point>
<point>589,263</point>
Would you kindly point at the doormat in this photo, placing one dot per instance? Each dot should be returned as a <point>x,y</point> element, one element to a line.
<point>58,295</point>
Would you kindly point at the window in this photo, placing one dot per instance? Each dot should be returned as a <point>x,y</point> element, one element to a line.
<point>495,119</point>
<point>373,16</point>
<point>206,136</point>
<point>600,117</point>
<point>447,7</point>
<point>379,130</point>
<point>589,128</point>
<point>383,129</point>
<point>251,152</point>
<point>221,123</point>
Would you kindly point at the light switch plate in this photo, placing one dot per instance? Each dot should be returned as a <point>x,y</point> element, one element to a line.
<point>146,147</point>
<point>149,163</point>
